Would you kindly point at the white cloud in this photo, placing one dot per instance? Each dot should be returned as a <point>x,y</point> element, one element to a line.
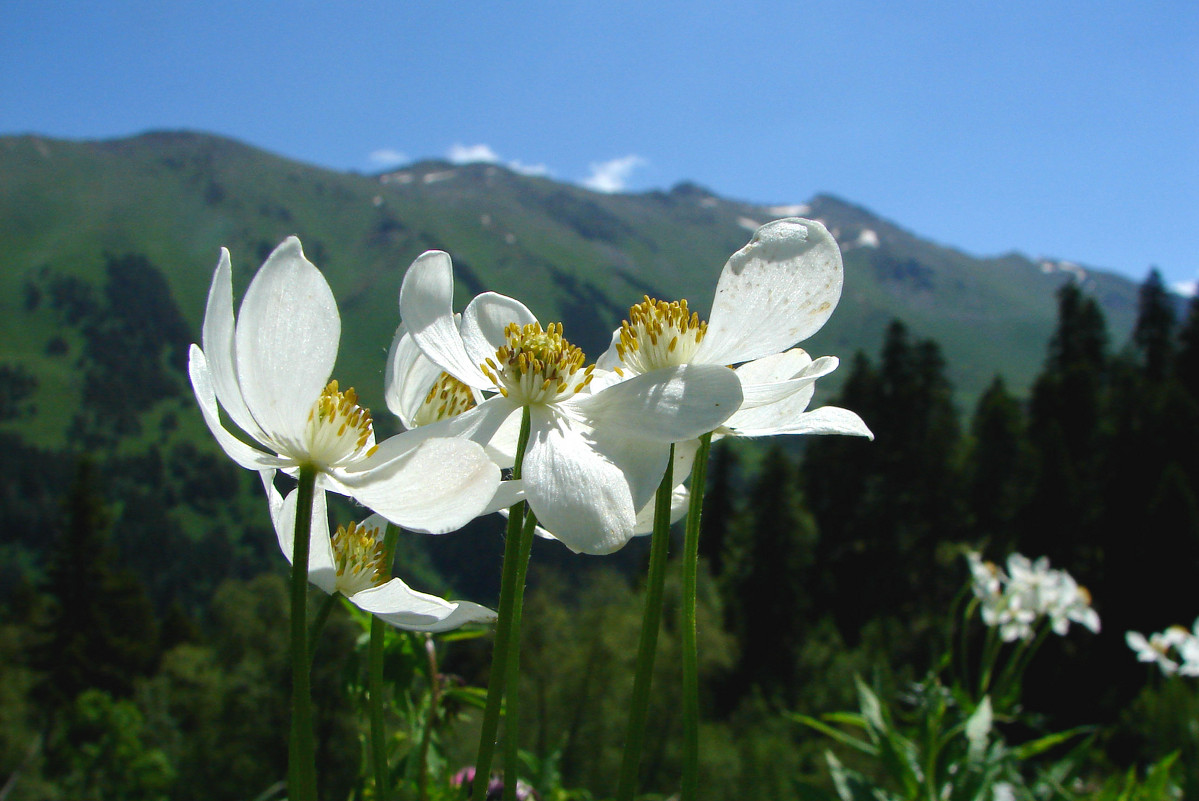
<point>1187,289</point>
<point>482,153</point>
<point>612,176</point>
<point>386,157</point>
<point>467,154</point>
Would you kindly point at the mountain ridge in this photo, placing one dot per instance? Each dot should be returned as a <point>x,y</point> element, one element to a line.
<point>176,197</point>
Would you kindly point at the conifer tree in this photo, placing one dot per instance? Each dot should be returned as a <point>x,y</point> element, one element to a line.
<point>1187,360</point>
<point>1065,416</point>
<point>719,509</point>
<point>101,632</point>
<point>1153,334</point>
<point>999,467</point>
<point>766,584</point>
<point>884,507</point>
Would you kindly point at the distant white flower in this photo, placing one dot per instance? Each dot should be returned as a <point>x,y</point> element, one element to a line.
<point>1174,650</point>
<point>594,459</point>
<point>1014,601</point>
<point>1156,648</point>
<point>776,291</point>
<point>351,563</point>
<point>269,369</point>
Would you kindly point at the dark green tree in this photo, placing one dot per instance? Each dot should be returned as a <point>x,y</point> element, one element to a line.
<point>1187,359</point>
<point>767,581</point>
<point>884,508</point>
<point>720,508</point>
<point>1153,334</point>
<point>1065,417</point>
<point>999,467</point>
<point>101,631</point>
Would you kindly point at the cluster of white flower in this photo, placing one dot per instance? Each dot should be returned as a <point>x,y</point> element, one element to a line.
<point>1174,651</point>
<point>1015,601</point>
<point>599,436</point>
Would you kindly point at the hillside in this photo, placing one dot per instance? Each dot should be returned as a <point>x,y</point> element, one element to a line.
<point>569,253</point>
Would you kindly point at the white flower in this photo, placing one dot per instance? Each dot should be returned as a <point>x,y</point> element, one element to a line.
<point>1174,650</point>
<point>269,369</point>
<point>420,393</point>
<point>776,291</point>
<point>593,459</point>
<point>351,563</point>
<point>1156,649</point>
<point>1071,603</point>
<point>1014,601</point>
<point>986,577</point>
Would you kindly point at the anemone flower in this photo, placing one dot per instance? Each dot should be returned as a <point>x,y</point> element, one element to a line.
<point>776,291</point>
<point>350,562</point>
<point>269,369</point>
<point>593,459</point>
<point>1156,648</point>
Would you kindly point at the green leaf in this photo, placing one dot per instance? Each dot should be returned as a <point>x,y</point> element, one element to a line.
<point>836,734</point>
<point>1037,747</point>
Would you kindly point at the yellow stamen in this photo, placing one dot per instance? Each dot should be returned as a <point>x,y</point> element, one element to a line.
<point>537,366</point>
<point>338,428</point>
<point>358,555</point>
<point>659,334</point>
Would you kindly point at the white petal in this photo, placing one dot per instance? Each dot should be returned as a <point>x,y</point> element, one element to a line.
<point>775,367</point>
<point>427,308</point>
<point>765,392</point>
<point>321,569</point>
<point>286,343</point>
<point>438,486</point>
<point>641,461</point>
<point>401,606</point>
<point>484,320</point>
<point>610,359</point>
<point>507,494</point>
<point>574,491</point>
<point>501,447</point>
<point>667,405</point>
<point>680,499</point>
<point>217,338</point>
<point>481,424</point>
<point>408,378</point>
<point>777,290</point>
<point>825,420</point>
<point>245,455</point>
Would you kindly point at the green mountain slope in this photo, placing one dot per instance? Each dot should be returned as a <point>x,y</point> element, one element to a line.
<point>571,254</point>
<point>107,250</point>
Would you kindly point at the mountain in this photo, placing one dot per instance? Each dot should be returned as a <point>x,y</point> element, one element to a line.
<point>107,250</point>
<point>569,253</point>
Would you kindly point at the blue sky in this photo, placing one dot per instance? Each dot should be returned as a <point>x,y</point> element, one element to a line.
<point>1060,129</point>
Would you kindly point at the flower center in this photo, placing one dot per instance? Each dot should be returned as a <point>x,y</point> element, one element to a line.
<point>448,397</point>
<point>659,334</point>
<point>339,430</point>
<point>536,366</point>
<point>358,555</point>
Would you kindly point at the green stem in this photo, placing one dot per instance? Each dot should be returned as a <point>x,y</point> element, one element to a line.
<point>375,701</point>
<point>699,477</point>
<point>639,705</point>
<point>503,627</point>
<point>375,681</point>
<point>301,770</point>
<point>431,722</point>
<point>512,680</point>
<point>990,653</point>
<point>1010,677</point>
